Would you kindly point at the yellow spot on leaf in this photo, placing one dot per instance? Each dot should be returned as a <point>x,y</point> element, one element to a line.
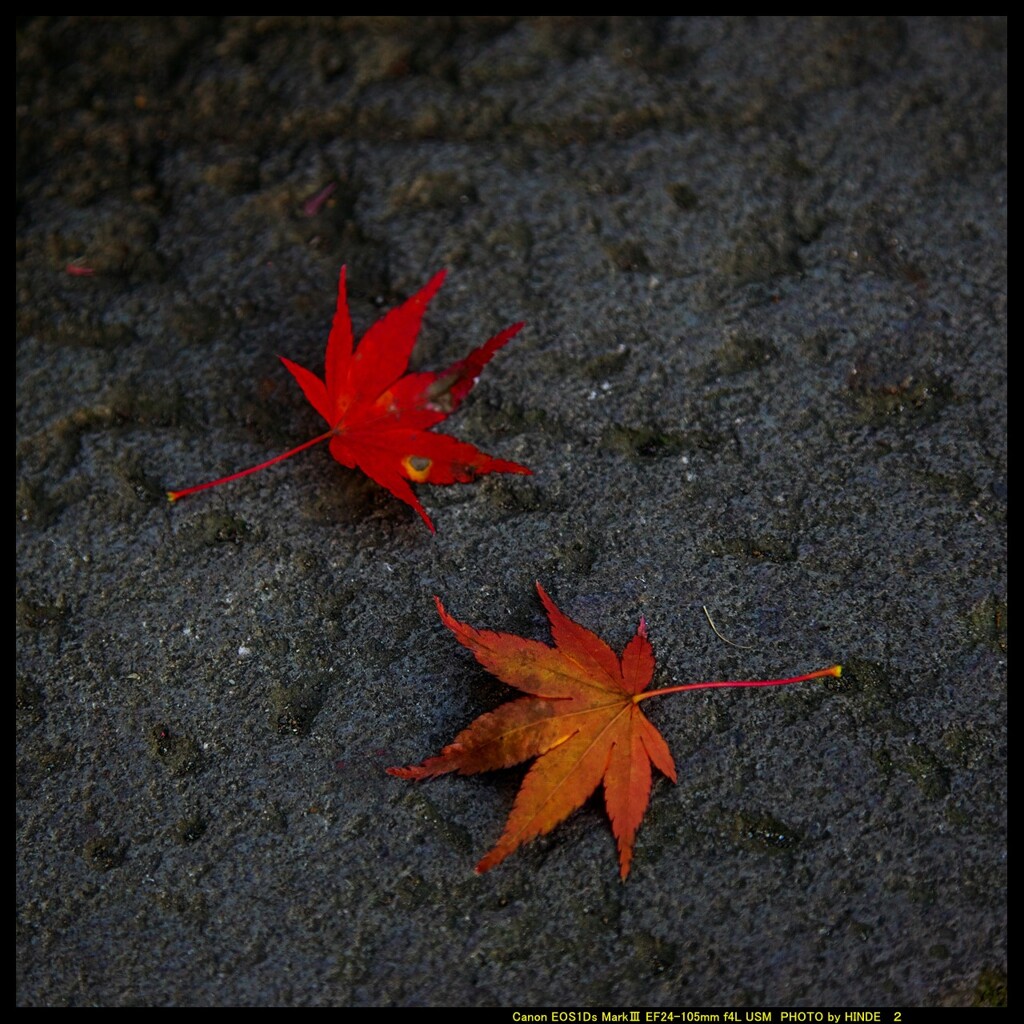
<point>417,467</point>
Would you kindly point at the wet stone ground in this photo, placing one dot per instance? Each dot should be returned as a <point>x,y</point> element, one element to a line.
<point>762,266</point>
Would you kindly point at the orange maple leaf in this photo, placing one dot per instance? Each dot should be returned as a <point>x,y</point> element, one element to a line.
<point>380,416</point>
<point>583,723</point>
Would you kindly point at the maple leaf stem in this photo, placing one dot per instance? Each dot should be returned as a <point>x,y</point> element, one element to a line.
<point>175,495</point>
<point>833,670</point>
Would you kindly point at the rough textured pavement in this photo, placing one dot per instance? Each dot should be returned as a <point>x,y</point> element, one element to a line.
<point>762,265</point>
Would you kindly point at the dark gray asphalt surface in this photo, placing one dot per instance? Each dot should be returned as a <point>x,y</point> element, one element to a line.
<point>762,265</point>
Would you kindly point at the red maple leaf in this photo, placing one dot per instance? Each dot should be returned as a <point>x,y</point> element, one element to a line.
<point>582,722</point>
<point>380,416</point>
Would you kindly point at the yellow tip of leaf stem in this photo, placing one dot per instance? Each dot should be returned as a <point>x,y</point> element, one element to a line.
<point>836,670</point>
<point>172,496</point>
